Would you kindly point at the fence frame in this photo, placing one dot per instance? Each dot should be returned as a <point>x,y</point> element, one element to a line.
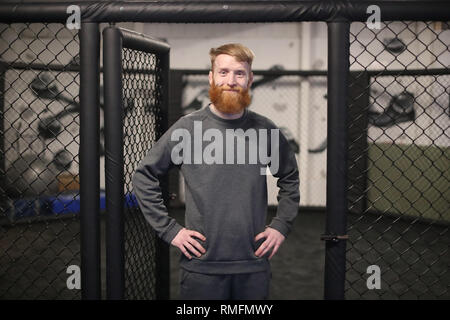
<point>114,40</point>
<point>226,11</point>
<point>90,161</point>
<point>337,14</point>
<point>336,223</point>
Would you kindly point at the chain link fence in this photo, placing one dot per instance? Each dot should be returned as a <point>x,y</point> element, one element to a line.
<point>39,140</point>
<point>142,95</point>
<point>399,198</point>
<point>398,214</point>
<point>40,254</point>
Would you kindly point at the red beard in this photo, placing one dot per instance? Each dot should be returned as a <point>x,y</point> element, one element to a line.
<point>229,102</point>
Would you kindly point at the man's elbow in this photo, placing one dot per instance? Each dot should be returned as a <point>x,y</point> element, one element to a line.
<point>136,179</point>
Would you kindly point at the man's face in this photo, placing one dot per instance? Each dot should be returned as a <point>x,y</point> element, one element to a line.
<point>230,81</point>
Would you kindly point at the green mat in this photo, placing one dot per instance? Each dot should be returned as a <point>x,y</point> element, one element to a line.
<point>409,180</point>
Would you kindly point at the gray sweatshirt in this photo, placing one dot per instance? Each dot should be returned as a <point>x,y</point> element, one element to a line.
<point>224,163</point>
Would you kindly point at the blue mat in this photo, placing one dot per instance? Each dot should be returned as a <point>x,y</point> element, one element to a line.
<point>55,205</point>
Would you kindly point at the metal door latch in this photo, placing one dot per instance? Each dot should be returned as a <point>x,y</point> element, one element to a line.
<point>333,237</point>
<point>173,196</point>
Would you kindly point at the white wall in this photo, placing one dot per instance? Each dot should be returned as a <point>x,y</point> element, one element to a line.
<point>276,43</point>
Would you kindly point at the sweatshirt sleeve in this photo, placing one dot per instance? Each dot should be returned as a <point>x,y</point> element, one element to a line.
<point>288,182</point>
<point>146,186</point>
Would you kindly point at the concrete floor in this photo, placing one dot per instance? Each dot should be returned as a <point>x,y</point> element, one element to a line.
<point>413,256</point>
<point>37,254</point>
<point>297,268</point>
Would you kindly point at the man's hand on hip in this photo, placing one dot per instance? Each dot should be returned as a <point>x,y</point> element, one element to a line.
<point>273,241</point>
<point>185,241</point>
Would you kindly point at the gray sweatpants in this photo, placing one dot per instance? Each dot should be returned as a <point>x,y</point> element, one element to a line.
<point>242,286</point>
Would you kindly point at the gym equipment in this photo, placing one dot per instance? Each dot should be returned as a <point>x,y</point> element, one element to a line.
<point>63,160</point>
<point>394,45</point>
<point>400,109</point>
<point>44,86</point>
<point>31,175</point>
<point>322,146</point>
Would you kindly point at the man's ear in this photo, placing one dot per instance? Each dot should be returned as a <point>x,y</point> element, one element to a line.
<point>210,77</point>
<point>250,80</point>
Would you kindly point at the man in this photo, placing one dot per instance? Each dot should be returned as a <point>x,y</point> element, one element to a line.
<point>226,245</point>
